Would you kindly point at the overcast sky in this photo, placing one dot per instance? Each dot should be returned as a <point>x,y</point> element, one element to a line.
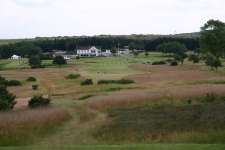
<point>32,18</point>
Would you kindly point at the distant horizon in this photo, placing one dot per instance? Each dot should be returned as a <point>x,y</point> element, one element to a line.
<point>97,35</point>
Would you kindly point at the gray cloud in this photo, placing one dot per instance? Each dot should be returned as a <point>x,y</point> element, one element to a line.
<point>30,18</point>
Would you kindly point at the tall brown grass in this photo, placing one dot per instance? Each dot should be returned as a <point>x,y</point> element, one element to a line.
<point>24,127</point>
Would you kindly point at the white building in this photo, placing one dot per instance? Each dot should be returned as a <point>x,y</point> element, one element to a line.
<point>124,51</point>
<point>93,51</point>
<point>106,53</point>
<point>15,57</point>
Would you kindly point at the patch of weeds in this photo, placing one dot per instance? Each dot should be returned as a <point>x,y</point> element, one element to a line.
<point>86,97</point>
<point>208,82</point>
<point>72,76</point>
<point>31,79</point>
<point>159,63</point>
<point>87,82</point>
<point>122,81</point>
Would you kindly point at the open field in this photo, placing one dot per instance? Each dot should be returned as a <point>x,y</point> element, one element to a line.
<point>162,96</point>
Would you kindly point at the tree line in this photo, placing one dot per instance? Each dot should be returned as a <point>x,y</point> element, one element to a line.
<point>31,47</point>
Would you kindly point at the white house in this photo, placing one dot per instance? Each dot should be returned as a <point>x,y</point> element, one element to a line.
<point>93,51</point>
<point>106,53</point>
<point>15,57</point>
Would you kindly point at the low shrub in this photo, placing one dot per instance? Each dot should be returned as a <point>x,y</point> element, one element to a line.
<point>122,81</point>
<point>38,101</point>
<point>14,83</point>
<point>35,87</point>
<point>169,60</point>
<point>159,63</point>
<point>31,79</point>
<point>86,97</point>
<point>72,76</point>
<point>194,58</point>
<point>174,63</point>
<point>3,81</point>
<point>125,81</point>
<point>87,82</point>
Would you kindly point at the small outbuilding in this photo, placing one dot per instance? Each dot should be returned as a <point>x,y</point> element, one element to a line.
<point>15,57</point>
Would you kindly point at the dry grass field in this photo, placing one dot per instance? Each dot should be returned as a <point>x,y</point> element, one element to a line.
<point>92,107</point>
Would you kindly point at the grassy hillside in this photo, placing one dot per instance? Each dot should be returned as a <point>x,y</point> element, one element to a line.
<point>11,41</point>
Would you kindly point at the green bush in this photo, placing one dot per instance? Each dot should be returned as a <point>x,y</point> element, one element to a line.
<point>72,76</point>
<point>59,60</point>
<point>7,100</point>
<point>159,63</point>
<point>35,87</point>
<point>194,58</point>
<point>213,61</point>
<point>31,79</point>
<point>122,81</point>
<point>38,101</point>
<point>5,82</point>
<point>14,83</point>
<point>86,97</point>
<point>87,82</point>
<point>174,63</point>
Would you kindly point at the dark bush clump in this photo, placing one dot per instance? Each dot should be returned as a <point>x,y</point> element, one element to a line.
<point>87,82</point>
<point>159,63</point>
<point>72,76</point>
<point>194,58</point>
<point>6,83</point>
<point>38,101</point>
<point>122,81</point>
<point>174,63</point>
<point>31,79</point>
<point>35,87</point>
<point>125,81</point>
<point>169,60</point>
<point>14,83</point>
<point>3,81</point>
<point>7,100</point>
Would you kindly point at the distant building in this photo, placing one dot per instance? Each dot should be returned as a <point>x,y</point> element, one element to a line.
<point>64,54</point>
<point>88,52</point>
<point>106,53</point>
<point>124,51</point>
<point>15,57</point>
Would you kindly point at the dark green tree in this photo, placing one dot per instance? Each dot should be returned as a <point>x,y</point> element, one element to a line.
<point>213,61</point>
<point>213,38</point>
<point>59,60</point>
<point>7,100</point>
<point>35,61</point>
<point>172,47</point>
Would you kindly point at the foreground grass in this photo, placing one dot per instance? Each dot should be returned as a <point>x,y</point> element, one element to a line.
<point>201,120</point>
<point>24,127</point>
<point>130,147</point>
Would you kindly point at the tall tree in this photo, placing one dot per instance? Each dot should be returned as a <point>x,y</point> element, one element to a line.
<point>213,38</point>
<point>35,61</point>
